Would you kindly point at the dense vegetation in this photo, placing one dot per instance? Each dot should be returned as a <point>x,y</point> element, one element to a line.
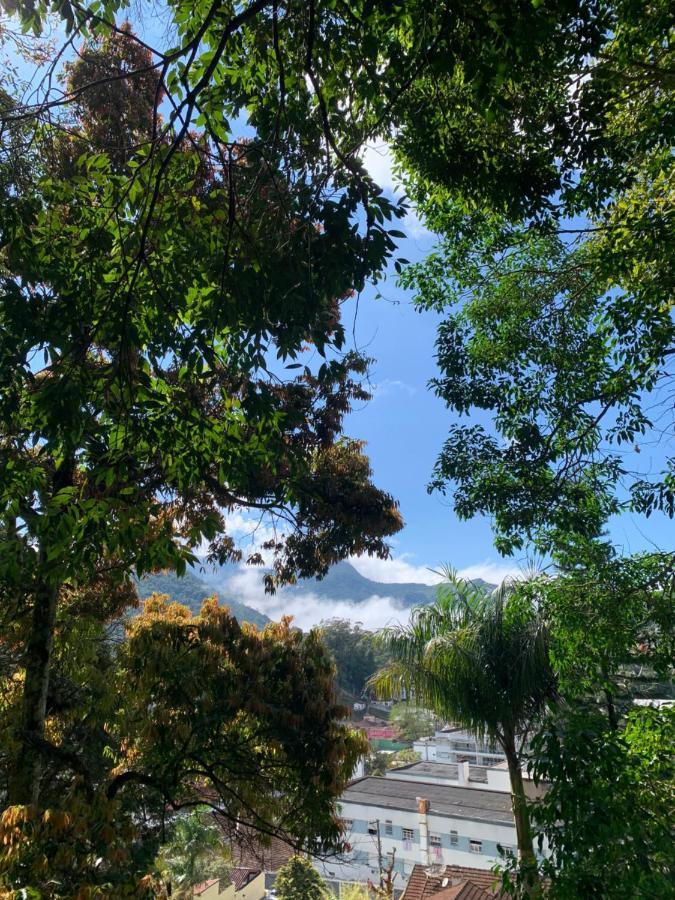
<point>172,350</point>
<point>191,591</point>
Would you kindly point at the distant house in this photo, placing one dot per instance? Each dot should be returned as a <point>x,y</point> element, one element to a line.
<point>455,745</point>
<point>243,883</point>
<point>252,852</point>
<point>451,883</point>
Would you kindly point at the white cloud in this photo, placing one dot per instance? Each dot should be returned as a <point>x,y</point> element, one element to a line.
<point>391,386</point>
<point>398,569</point>
<point>308,609</point>
<point>491,571</point>
<point>379,162</point>
<point>395,570</point>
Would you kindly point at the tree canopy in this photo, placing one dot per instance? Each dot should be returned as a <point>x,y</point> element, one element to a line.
<point>299,880</point>
<point>553,272</point>
<point>411,721</point>
<point>145,358</point>
<point>183,221</point>
<point>352,648</point>
<point>190,711</point>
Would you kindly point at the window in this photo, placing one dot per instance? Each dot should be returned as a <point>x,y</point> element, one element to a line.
<point>372,827</point>
<point>408,834</point>
<point>435,840</point>
<point>388,828</point>
<point>347,824</point>
<point>476,846</point>
<point>454,839</point>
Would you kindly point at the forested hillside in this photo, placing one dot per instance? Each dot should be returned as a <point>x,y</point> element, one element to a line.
<point>191,591</point>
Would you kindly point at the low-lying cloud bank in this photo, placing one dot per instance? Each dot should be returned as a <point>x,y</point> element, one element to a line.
<point>308,609</point>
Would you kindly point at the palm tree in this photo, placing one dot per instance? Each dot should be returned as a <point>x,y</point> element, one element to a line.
<point>480,659</point>
<point>196,852</point>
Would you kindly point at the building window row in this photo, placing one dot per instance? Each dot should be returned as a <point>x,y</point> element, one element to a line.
<point>408,836</point>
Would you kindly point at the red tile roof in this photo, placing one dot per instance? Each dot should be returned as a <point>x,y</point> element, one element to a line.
<point>467,884</point>
<point>250,851</point>
<point>241,876</point>
<point>200,888</point>
<point>467,890</point>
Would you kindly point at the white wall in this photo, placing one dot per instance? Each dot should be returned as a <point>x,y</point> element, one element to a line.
<point>490,834</point>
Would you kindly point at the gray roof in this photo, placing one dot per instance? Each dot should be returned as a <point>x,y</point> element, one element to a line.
<point>446,800</point>
<point>448,771</point>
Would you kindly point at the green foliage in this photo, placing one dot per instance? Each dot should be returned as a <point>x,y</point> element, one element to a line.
<point>611,622</point>
<point>355,892</point>
<point>352,649</point>
<point>195,852</point>
<point>191,591</point>
<point>554,273</point>
<point>403,758</point>
<point>299,880</point>
<point>412,722</point>
<point>482,660</point>
<point>378,762</point>
<point>148,374</point>
<point>187,710</point>
<point>473,657</point>
<point>607,816</point>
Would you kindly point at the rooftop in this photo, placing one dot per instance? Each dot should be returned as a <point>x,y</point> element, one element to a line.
<point>445,799</point>
<point>450,883</point>
<point>448,771</point>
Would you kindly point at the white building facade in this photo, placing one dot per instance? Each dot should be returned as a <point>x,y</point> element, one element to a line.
<point>426,823</point>
<point>454,745</point>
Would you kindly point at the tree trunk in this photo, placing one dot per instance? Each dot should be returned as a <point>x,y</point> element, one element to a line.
<point>26,768</point>
<point>521,815</point>
<point>611,711</point>
<point>24,781</point>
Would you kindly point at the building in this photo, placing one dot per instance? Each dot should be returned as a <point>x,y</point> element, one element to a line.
<point>242,884</point>
<point>482,778</point>
<point>451,883</point>
<point>413,822</point>
<point>250,852</point>
<point>454,745</point>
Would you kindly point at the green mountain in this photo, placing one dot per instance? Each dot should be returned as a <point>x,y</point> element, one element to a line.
<point>342,583</point>
<point>191,591</point>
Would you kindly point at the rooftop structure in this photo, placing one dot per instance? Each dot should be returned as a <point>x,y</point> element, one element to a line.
<point>490,778</point>
<point>452,744</point>
<point>445,800</point>
<point>242,884</point>
<point>450,883</point>
<point>411,822</point>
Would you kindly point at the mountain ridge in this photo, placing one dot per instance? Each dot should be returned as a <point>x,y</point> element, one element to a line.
<point>342,584</point>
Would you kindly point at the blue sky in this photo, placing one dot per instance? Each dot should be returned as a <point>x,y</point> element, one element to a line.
<point>405,426</point>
